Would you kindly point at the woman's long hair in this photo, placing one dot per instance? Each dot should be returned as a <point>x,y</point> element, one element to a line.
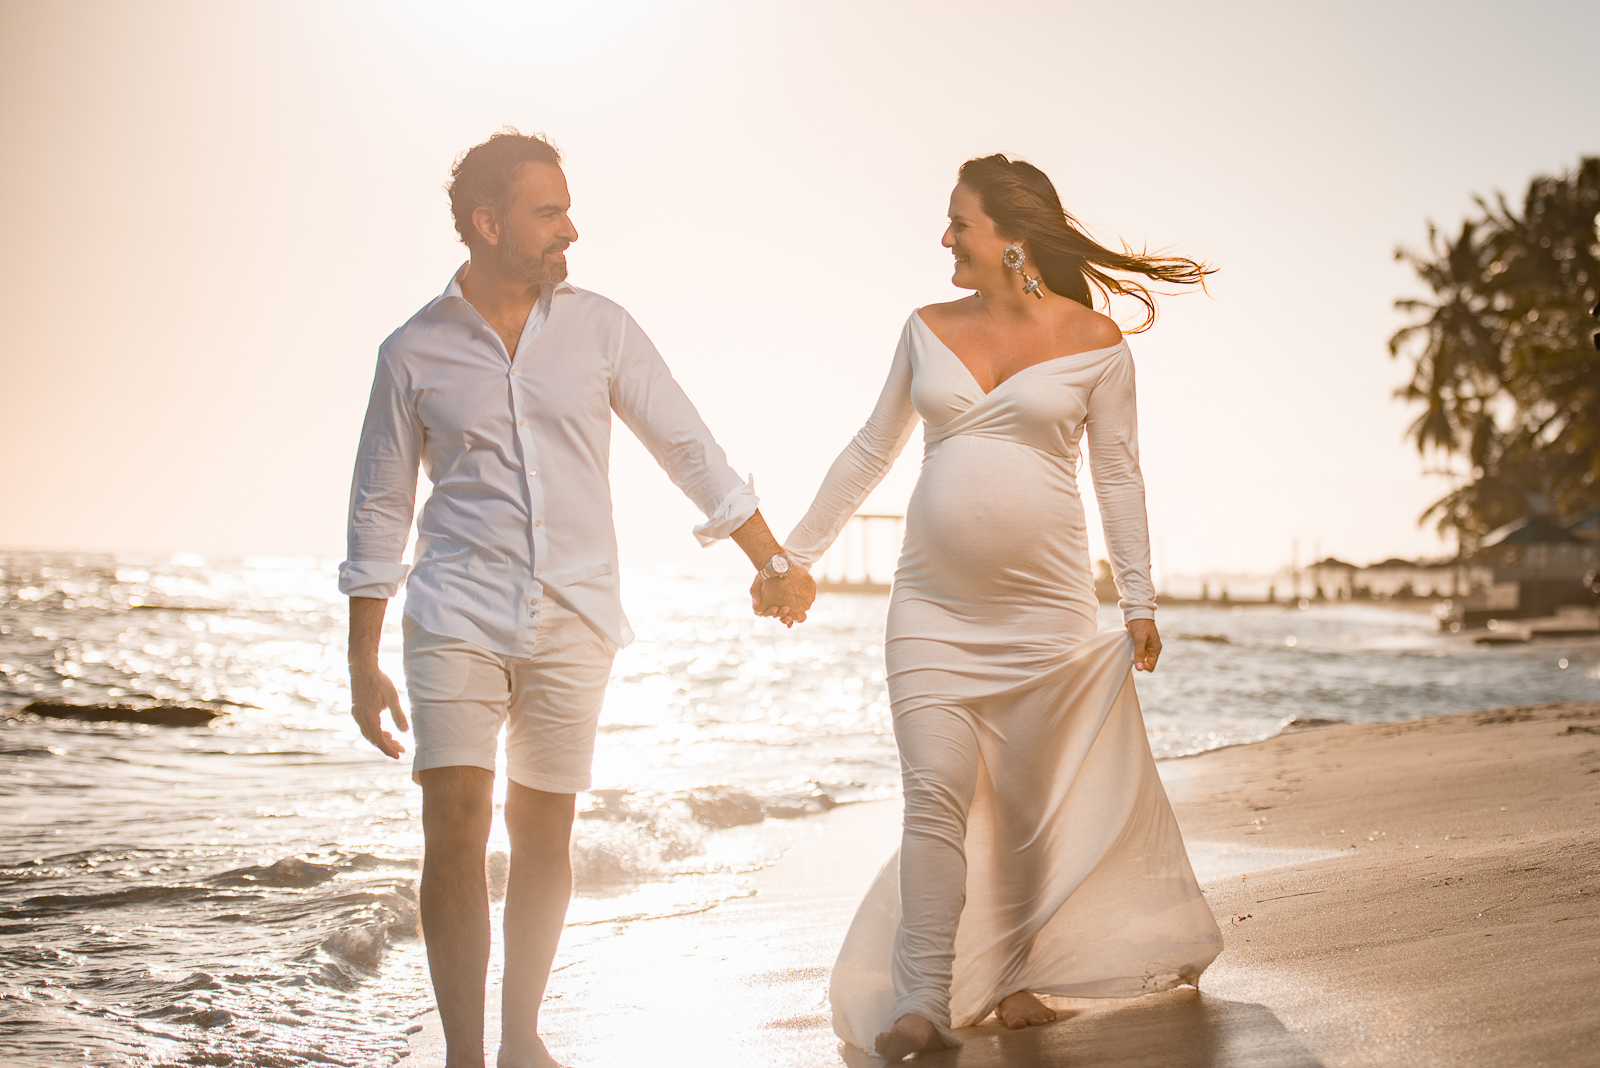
<point>1025,206</point>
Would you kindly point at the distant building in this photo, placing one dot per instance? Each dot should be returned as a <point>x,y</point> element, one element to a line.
<point>1586,527</point>
<point>1331,579</point>
<point>1538,568</point>
<point>1406,580</point>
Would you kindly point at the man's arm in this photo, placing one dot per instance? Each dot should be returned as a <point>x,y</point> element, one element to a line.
<point>370,689</point>
<point>788,596</point>
<point>652,404</point>
<point>382,499</point>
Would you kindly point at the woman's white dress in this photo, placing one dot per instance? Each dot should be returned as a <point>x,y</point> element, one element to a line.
<point>1039,851</point>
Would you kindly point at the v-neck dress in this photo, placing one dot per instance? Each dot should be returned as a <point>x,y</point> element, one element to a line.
<point>1040,851</point>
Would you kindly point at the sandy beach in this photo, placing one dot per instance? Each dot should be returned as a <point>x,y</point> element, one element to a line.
<point>1417,893</point>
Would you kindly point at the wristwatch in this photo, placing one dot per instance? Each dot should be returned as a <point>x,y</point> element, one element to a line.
<point>778,567</point>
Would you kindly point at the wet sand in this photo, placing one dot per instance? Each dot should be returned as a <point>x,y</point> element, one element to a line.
<point>1402,894</point>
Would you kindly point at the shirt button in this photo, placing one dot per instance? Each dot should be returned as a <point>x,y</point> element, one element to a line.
<point>536,574</point>
<point>533,604</point>
<point>538,522</point>
<point>522,422</point>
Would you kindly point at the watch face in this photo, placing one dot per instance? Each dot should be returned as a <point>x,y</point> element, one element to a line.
<point>779,564</point>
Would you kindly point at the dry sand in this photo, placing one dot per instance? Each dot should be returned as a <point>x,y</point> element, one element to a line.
<point>1408,894</point>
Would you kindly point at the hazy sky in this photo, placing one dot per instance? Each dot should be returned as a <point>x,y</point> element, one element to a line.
<point>212,213</point>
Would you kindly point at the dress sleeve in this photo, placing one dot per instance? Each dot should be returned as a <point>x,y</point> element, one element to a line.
<point>1113,436</point>
<point>649,400</point>
<point>383,491</point>
<point>862,464</point>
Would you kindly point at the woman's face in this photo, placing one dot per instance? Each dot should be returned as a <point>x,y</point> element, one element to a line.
<point>972,239</point>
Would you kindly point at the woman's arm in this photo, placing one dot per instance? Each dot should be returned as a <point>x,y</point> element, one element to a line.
<point>862,464</point>
<point>1113,438</point>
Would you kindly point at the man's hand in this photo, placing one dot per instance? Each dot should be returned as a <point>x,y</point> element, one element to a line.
<point>371,692</point>
<point>370,689</point>
<point>788,598</point>
<point>1146,644</point>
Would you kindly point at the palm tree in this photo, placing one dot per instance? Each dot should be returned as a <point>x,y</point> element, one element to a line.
<point>1504,357</point>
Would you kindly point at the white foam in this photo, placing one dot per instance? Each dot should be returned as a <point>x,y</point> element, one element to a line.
<point>1220,860</point>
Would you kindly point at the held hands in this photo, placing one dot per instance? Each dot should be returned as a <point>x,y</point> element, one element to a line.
<point>1146,644</point>
<point>371,692</point>
<point>786,598</point>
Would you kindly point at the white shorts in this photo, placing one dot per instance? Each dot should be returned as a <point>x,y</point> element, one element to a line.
<point>461,695</point>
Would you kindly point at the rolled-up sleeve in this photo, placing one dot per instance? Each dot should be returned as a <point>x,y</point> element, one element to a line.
<point>383,490</point>
<point>649,400</point>
<point>736,508</point>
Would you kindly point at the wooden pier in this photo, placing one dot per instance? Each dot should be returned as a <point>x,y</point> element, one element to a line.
<point>863,558</point>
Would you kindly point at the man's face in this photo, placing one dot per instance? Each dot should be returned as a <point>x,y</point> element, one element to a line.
<point>535,229</point>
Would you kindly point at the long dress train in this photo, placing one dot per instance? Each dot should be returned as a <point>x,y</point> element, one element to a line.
<point>1039,852</point>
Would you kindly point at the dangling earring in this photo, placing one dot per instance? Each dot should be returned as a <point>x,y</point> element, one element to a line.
<point>1014,258</point>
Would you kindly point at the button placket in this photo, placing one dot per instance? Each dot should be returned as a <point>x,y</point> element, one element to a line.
<point>535,498</point>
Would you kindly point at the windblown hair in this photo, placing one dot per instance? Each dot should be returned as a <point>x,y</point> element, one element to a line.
<point>1025,207</point>
<point>482,175</point>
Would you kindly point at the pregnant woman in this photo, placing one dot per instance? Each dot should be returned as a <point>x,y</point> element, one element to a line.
<point>1039,854</point>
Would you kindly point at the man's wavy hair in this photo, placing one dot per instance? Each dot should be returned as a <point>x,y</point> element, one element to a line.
<point>1024,206</point>
<point>482,175</point>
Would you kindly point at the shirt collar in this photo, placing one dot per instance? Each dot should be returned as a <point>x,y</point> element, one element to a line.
<point>454,288</point>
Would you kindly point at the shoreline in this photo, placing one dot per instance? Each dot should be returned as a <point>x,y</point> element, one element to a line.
<point>1425,891</point>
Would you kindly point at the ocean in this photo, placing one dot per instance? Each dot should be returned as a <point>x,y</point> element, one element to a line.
<point>243,893</point>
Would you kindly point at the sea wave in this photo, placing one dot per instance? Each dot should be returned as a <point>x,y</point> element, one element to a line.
<point>244,892</point>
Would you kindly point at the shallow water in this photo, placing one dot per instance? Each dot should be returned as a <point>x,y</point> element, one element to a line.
<point>243,893</point>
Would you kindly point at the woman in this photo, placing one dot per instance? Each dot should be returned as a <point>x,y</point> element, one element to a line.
<point>1033,813</point>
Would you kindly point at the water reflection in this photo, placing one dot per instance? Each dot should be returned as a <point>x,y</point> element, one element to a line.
<point>244,890</point>
<point>1179,1029</point>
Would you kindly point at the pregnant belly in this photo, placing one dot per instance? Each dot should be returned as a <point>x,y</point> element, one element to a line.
<point>990,516</point>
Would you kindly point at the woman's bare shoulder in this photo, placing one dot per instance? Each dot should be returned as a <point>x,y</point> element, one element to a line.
<point>1090,329</point>
<point>948,312</point>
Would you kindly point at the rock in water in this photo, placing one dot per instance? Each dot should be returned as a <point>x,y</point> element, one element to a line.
<point>155,715</point>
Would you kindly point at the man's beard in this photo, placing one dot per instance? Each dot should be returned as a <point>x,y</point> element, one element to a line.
<point>528,267</point>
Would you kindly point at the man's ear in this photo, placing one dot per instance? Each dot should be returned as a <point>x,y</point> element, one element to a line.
<point>487,223</point>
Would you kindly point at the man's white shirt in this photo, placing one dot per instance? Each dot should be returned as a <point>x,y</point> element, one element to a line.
<point>518,451</point>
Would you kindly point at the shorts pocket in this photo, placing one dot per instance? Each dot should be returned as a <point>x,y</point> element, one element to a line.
<point>437,669</point>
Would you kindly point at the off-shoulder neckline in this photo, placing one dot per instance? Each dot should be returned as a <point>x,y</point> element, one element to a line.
<point>917,315</point>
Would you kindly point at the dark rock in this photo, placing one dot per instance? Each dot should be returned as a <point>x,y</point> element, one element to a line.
<point>155,715</point>
<point>1305,723</point>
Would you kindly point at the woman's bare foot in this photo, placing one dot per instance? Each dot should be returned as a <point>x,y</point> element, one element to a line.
<point>911,1034</point>
<point>1022,1009</point>
<point>528,1053</point>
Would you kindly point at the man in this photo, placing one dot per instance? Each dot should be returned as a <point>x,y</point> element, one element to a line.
<point>502,389</point>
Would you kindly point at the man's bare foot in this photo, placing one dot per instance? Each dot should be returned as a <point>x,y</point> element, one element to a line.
<point>525,1055</point>
<point>1022,1009</point>
<point>911,1034</point>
